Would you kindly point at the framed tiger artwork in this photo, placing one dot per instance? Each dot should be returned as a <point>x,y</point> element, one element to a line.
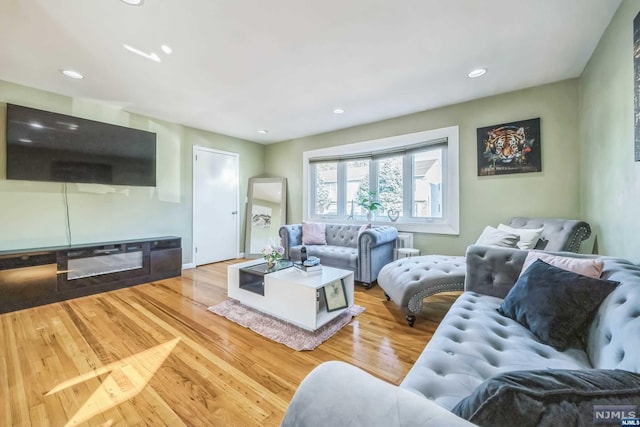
<point>509,148</point>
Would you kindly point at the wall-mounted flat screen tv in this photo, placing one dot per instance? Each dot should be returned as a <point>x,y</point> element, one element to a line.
<point>46,146</point>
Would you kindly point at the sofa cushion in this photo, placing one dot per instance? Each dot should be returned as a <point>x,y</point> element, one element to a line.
<point>591,267</point>
<point>491,236</point>
<point>473,343</point>
<point>335,256</point>
<point>528,236</point>
<point>554,303</point>
<point>548,397</point>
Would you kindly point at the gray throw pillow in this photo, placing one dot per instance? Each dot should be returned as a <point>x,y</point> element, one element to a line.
<point>553,397</point>
<point>554,303</point>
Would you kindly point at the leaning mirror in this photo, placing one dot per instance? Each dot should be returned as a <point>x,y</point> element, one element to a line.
<point>266,212</point>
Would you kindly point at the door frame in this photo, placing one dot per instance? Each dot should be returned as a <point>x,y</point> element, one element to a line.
<point>194,194</point>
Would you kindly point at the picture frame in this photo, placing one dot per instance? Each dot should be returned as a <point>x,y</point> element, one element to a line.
<point>509,148</point>
<point>335,295</point>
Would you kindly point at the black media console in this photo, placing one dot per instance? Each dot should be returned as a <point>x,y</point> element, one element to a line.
<point>31,277</point>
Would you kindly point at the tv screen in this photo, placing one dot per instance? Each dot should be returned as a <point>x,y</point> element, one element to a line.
<point>45,146</point>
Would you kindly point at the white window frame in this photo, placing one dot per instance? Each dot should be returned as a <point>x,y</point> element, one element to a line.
<point>449,224</point>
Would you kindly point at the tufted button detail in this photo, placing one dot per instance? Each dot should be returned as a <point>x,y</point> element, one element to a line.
<point>497,346</point>
<point>500,333</point>
<point>607,337</point>
<point>493,362</point>
<point>620,355</point>
<point>450,353</point>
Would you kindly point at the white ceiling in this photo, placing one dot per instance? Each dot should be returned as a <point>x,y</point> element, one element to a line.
<point>284,65</point>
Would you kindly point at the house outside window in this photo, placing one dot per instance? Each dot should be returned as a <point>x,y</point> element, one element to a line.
<point>414,177</point>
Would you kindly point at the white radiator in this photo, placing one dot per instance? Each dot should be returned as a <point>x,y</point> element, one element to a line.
<point>404,240</point>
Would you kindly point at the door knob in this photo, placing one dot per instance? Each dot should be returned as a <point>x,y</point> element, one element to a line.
<point>234,213</point>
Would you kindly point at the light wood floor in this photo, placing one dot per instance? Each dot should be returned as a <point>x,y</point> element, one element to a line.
<point>153,355</point>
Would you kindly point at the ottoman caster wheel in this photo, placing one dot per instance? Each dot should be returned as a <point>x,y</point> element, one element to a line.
<point>387,297</point>
<point>411,319</point>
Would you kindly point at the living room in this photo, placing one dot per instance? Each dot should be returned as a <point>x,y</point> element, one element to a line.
<point>588,172</point>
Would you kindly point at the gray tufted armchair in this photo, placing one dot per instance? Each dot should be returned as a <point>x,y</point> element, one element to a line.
<point>363,253</point>
<point>408,281</point>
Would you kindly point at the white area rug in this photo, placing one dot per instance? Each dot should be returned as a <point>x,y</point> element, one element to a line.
<point>280,331</point>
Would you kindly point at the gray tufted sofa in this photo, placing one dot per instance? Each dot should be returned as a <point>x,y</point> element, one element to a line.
<point>365,254</point>
<point>408,281</point>
<point>472,344</point>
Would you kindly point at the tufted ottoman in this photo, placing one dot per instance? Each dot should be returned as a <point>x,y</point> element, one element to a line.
<point>408,281</point>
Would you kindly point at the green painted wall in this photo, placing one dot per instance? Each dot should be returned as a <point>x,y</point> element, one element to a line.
<point>33,213</point>
<point>554,192</point>
<point>610,179</point>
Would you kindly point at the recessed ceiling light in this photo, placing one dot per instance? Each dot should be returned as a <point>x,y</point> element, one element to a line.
<point>72,73</point>
<point>133,2</point>
<point>36,125</point>
<point>263,131</point>
<point>166,49</point>
<point>25,140</point>
<point>152,56</point>
<point>338,111</point>
<point>477,73</point>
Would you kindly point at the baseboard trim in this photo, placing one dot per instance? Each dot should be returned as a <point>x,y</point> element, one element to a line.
<point>188,266</point>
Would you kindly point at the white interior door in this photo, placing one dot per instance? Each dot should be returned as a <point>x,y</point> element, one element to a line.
<point>216,231</point>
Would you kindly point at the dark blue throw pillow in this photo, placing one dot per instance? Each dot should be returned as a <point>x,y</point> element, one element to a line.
<point>554,397</point>
<point>555,304</point>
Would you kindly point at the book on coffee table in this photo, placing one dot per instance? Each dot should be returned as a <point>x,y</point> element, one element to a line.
<point>313,269</point>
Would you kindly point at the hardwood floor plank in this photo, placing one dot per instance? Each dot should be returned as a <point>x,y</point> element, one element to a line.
<point>18,410</point>
<point>153,355</point>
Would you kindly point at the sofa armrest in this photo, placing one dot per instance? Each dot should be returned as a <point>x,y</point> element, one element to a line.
<point>338,394</point>
<point>290,235</point>
<point>375,250</point>
<point>493,270</point>
<point>377,236</point>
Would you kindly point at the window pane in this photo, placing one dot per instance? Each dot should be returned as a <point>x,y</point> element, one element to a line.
<point>427,184</point>
<point>326,188</point>
<point>357,185</point>
<point>390,184</point>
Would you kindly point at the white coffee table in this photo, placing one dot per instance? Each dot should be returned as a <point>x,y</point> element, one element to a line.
<point>288,294</point>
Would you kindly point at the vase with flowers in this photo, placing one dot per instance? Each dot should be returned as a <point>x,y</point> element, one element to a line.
<point>271,254</point>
